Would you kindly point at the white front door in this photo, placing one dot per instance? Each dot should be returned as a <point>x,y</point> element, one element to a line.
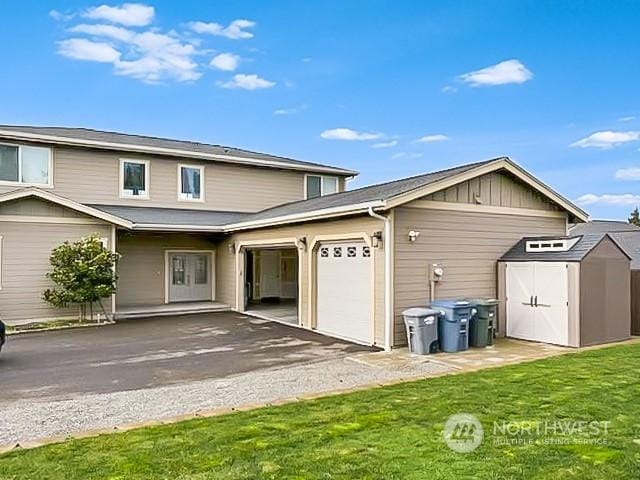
<point>190,277</point>
<point>345,291</point>
<point>537,296</point>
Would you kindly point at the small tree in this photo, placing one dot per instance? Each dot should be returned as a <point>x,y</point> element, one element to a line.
<point>83,273</point>
<point>634,218</point>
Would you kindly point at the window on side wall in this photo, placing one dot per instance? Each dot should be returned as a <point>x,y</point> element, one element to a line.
<point>25,165</point>
<point>134,179</point>
<point>320,185</point>
<point>191,183</point>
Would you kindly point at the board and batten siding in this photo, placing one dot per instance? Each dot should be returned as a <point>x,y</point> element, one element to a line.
<point>93,176</point>
<point>467,244</point>
<point>226,264</point>
<point>141,269</point>
<point>24,258</point>
<point>496,189</point>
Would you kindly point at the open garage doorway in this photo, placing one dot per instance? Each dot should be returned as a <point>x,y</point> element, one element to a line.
<point>271,289</point>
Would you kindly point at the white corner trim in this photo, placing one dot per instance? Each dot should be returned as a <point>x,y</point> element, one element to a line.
<point>65,202</point>
<point>1,261</point>
<point>127,147</point>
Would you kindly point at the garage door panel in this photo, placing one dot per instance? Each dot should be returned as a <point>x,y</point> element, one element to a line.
<point>344,291</point>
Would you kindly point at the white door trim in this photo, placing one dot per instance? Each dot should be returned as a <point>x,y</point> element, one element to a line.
<point>167,274</point>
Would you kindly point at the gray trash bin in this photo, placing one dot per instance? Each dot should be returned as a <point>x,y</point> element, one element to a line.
<point>422,329</point>
<point>453,326</point>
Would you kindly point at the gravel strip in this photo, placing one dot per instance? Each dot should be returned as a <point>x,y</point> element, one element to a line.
<point>31,420</point>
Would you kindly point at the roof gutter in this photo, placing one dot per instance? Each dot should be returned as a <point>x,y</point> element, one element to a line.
<point>176,152</point>
<point>388,298</point>
<point>307,216</point>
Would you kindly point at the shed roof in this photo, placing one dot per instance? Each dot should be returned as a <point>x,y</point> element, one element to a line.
<point>88,137</point>
<point>576,253</point>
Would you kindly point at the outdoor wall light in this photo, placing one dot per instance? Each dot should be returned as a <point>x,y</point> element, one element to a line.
<point>376,239</point>
<point>413,235</point>
<point>302,243</point>
<point>231,247</point>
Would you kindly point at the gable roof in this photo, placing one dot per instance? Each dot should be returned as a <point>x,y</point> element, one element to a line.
<point>584,244</point>
<point>86,137</point>
<point>65,202</point>
<point>629,241</point>
<point>388,195</point>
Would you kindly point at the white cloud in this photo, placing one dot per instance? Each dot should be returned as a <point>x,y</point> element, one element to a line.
<point>624,199</point>
<point>389,144</point>
<point>83,49</point>
<point>247,82</point>
<point>406,155</point>
<point>449,89</point>
<point>290,111</point>
<point>432,138</point>
<point>60,16</point>
<point>509,71</point>
<point>348,134</point>
<point>236,30</point>
<point>628,118</point>
<point>632,173</point>
<point>128,14</point>
<point>225,61</point>
<point>108,31</point>
<point>607,139</point>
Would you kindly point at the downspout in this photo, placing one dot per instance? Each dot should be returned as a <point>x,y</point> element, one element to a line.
<point>388,250</point>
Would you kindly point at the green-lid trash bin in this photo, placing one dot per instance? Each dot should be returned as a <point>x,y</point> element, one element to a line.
<point>483,323</point>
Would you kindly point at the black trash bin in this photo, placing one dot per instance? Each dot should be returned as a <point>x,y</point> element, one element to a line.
<point>422,329</point>
<point>484,320</point>
<point>453,325</point>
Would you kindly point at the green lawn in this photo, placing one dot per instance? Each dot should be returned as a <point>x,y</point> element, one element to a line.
<point>388,433</point>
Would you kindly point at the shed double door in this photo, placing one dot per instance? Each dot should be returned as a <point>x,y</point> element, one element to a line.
<point>537,301</point>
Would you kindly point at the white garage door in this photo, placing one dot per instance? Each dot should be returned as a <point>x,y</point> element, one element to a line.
<point>344,286</point>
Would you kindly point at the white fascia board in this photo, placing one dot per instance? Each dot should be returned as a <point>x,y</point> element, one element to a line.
<point>174,152</point>
<point>307,216</point>
<point>177,228</point>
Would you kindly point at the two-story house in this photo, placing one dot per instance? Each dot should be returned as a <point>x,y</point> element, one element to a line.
<point>203,227</point>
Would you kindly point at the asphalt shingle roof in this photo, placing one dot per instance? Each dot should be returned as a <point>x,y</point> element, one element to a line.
<point>602,226</point>
<point>580,249</point>
<point>158,142</point>
<point>382,191</point>
<point>171,216</point>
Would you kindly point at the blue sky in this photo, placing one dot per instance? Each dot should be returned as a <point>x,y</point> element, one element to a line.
<point>388,88</point>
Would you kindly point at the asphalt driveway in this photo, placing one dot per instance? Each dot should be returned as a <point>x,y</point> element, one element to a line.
<point>146,353</point>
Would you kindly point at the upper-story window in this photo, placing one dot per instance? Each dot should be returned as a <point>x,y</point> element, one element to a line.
<point>134,179</point>
<point>320,185</point>
<point>25,165</point>
<point>191,183</point>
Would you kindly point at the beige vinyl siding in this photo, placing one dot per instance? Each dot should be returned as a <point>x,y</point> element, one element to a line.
<point>141,270</point>
<point>497,189</point>
<point>226,266</point>
<point>92,176</point>
<point>467,244</point>
<point>26,248</point>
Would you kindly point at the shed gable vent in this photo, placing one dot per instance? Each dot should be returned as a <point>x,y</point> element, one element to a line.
<point>550,245</point>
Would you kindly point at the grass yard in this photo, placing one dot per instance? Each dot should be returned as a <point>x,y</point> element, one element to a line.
<point>388,433</point>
